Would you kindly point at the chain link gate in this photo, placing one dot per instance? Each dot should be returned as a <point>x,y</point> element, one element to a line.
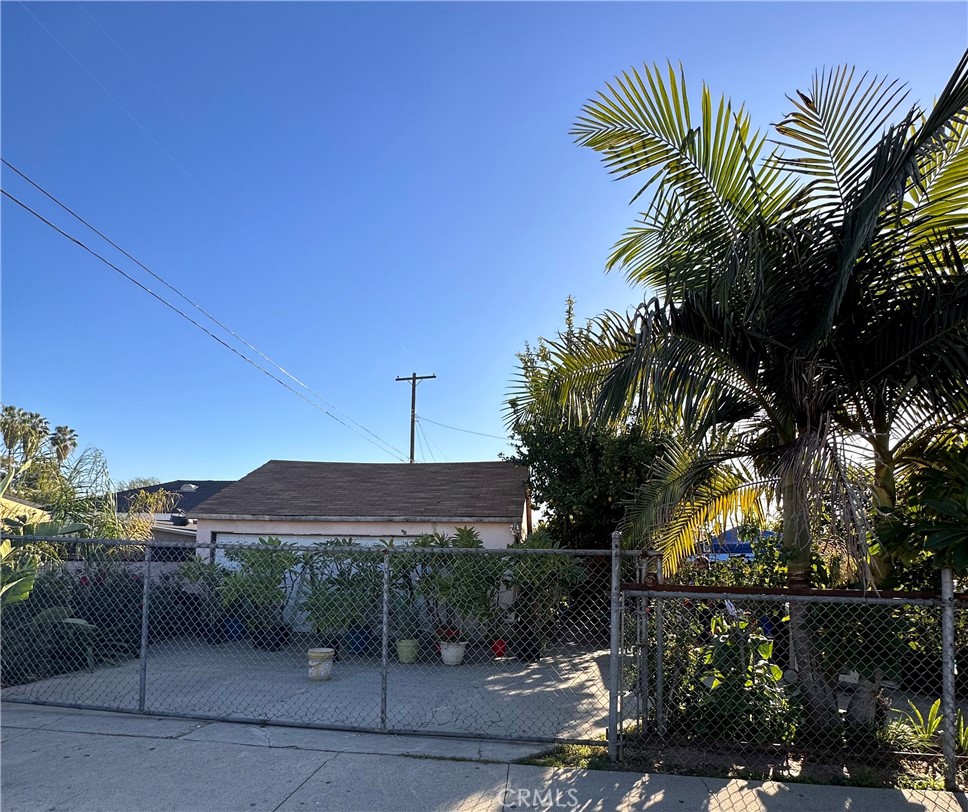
<point>517,644</point>
<point>768,683</point>
<point>508,644</point>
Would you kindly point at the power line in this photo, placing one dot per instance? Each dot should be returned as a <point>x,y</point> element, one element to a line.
<point>185,316</point>
<point>431,442</point>
<point>423,453</point>
<point>465,431</point>
<point>144,129</point>
<point>425,441</point>
<point>194,304</point>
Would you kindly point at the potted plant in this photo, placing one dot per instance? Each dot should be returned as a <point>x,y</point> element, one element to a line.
<point>459,590</point>
<point>343,596</point>
<point>542,584</point>
<point>206,579</point>
<point>452,647</point>
<point>406,624</point>
<point>406,571</point>
<point>499,635</point>
<point>262,584</point>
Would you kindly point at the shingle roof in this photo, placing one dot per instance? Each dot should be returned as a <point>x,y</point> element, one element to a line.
<point>186,500</point>
<point>423,491</point>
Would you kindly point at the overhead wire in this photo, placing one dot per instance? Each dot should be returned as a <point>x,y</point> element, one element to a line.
<point>144,129</point>
<point>465,431</point>
<point>396,452</point>
<point>420,445</point>
<point>188,318</point>
<point>430,440</point>
<point>421,432</point>
<point>194,304</point>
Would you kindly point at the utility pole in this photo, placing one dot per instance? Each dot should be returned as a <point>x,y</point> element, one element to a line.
<point>412,379</point>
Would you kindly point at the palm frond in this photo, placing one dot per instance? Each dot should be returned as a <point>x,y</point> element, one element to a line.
<point>712,167</point>
<point>894,167</point>
<point>828,136</point>
<point>692,493</point>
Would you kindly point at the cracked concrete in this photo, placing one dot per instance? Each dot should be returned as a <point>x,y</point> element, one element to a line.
<point>563,696</point>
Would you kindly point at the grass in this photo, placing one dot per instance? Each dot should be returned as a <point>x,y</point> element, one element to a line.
<point>580,756</point>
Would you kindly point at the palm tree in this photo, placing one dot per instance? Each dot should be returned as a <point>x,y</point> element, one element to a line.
<point>809,297</point>
<point>63,440</point>
<point>12,422</point>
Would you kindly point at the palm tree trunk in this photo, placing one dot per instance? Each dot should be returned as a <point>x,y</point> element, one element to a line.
<point>796,531</point>
<point>820,699</point>
<point>885,488</point>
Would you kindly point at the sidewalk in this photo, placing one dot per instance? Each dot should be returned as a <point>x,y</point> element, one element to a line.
<point>64,760</point>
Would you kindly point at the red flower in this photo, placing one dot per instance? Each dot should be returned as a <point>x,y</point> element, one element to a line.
<point>83,580</point>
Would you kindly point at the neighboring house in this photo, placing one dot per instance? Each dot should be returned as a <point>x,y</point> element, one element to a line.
<point>311,501</point>
<point>20,511</point>
<point>175,526</point>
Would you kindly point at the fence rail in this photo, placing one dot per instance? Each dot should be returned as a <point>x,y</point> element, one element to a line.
<point>783,684</point>
<point>543,645</point>
<point>508,644</point>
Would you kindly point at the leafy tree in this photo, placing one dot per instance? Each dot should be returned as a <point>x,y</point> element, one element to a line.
<point>583,474</point>
<point>63,440</point>
<point>811,295</point>
<point>934,516</point>
<point>137,483</point>
<point>76,490</point>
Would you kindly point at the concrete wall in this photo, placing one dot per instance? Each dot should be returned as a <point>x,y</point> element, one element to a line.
<point>495,535</point>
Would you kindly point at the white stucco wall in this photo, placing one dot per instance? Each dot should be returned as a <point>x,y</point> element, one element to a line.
<point>494,535</point>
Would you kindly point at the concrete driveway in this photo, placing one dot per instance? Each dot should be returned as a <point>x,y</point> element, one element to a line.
<point>562,696</point>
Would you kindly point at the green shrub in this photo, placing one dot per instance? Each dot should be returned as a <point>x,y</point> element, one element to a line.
<point>734,690</point>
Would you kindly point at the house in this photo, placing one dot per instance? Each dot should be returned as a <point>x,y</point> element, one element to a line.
<point>174,526</point>
<point>311,501</point>
<point>16,512</point>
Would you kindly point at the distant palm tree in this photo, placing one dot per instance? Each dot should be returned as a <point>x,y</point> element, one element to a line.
<point>63,440</point>
<point>24,434</point>
<point>35,432</point>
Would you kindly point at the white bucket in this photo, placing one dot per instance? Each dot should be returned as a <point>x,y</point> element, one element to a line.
<point>321,663</point>
<point>452,653</point>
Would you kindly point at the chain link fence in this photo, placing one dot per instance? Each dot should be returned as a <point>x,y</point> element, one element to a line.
<point>516,644</point>
<point>509,644</point>
<point>776,685</point>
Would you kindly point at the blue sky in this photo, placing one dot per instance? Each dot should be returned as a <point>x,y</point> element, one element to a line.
<point>359,190</point>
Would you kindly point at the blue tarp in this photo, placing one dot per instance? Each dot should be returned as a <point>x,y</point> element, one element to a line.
<point>729,543</point>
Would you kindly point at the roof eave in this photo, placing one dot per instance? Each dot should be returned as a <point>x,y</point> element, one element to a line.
<point>278,518</point>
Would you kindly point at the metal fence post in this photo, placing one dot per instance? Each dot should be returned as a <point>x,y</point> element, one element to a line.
<point>614,664</point>
<point>385,640</point>
<point>145,606</point>
<point>641,647</point>
<point>660,717</point>
<point>948,678</point>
